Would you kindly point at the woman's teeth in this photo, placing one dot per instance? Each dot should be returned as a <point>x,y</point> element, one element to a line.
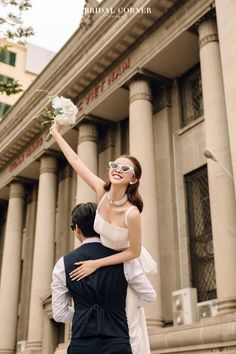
<point>116,176</point>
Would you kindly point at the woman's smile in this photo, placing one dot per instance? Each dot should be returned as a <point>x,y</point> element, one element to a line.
<point>117,176</point>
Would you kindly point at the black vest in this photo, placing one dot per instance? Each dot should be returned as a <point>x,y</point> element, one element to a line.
<point>100,298</point>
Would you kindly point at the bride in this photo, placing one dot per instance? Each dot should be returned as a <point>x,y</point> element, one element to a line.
<point>118,221</point>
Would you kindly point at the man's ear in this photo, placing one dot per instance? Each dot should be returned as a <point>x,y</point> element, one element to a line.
<point>78,230</point>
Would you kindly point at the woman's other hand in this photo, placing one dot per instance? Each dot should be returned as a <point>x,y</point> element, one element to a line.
<point>85,268</point>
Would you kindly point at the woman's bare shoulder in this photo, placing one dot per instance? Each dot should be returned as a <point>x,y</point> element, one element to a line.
<point>132,212</point>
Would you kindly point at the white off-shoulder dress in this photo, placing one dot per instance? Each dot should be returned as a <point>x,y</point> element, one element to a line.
<point>116,237</point>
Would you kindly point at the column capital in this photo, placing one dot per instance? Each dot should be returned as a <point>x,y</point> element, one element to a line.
<point>208,32</point>
<point>48,164</point>
<point>140,89</point>
<point>17,190</point>
<point>87,132</point>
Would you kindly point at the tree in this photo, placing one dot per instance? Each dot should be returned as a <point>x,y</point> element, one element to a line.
<point>12,28</point>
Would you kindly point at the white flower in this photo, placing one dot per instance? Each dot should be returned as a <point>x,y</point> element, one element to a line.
<point>63,112</point>
<point>66,110</point>
<point>65,119</point>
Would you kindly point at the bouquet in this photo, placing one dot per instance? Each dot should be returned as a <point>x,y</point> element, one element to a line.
<point>63,112</point>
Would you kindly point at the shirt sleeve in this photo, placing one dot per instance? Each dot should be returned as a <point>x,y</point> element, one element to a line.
<point>61,309</point>
<point>138,281</point>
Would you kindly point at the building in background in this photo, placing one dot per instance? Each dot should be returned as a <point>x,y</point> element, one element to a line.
<point>159,85</point>
<point>22,62</point>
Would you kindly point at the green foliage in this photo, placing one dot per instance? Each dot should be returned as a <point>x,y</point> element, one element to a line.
<point>12,20</point>
<point>46,113</point>
<point>11,27</point>
<point>10,87</point>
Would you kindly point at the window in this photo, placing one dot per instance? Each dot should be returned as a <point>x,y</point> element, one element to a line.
<point>191,96</point>
<point>3,109</point>
<point>8,57</point>
<point>9,86</point>
<point>200,234</point>
<point>5,79</point>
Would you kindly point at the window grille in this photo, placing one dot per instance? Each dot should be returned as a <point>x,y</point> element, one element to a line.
<point>200,234</point>
<point>8,57</point>
<point>191,96</point>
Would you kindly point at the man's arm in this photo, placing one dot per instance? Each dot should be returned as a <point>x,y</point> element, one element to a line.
<point>61,310</point>
<point>138,281</point>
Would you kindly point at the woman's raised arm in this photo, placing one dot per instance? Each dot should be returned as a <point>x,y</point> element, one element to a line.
<point>134,227</point>
<point>83,171</point>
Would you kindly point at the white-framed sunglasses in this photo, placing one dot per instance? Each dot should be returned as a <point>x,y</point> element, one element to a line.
<point>123,168</point>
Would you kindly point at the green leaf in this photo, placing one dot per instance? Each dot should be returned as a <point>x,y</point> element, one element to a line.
<point>10,87</point>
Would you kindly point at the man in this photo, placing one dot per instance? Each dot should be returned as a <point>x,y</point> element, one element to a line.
<point>99,323</point>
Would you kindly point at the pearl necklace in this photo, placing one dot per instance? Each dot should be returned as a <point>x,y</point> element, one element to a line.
<point>117,202</point>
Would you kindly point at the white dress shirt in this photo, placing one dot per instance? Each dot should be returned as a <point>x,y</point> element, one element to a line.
<point>134,274</point>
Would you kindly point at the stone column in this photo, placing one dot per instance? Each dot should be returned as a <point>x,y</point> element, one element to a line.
<point>63,233</point>
<point>221,186</point>
<point>11,266</point>
<point>27,257</point>
<point>50,333</point>
<point>225,11</point>
<point>43,250</point>
<point>167,228</point>
<point>142,147</point>
<point>87,151</point>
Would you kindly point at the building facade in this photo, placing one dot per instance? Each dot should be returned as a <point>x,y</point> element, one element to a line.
<point>22,63</point>
<point>155,79</point>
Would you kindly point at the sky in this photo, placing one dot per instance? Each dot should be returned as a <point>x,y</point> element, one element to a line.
<point>54,21</point>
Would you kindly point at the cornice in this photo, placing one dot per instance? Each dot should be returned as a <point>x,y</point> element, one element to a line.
<point>20,118</point>
<point>67,66</point>
<point>68,57</point>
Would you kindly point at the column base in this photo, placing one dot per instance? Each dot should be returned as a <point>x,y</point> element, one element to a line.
<point>227,306</point>
<point>6,351</point>
<point>32,348</point>
<point>205,336</point>
<point>154,324</point>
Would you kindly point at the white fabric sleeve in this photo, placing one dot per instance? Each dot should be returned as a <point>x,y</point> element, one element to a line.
<point>138,281</point>
<point>61,310</point>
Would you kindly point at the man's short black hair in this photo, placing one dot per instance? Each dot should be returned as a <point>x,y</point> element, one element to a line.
<point>83,216</point>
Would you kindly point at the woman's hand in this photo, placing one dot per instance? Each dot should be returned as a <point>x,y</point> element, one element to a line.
<point>85,268</point>
<point>55,128</point>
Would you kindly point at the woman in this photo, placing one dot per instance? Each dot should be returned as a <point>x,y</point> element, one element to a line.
<point>119,224</point>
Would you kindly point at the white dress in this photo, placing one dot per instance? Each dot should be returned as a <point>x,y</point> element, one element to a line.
<point>116,237</point>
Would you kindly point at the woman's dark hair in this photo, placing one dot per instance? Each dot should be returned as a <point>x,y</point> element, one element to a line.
<point>132,190</point>
<point>83,216</point>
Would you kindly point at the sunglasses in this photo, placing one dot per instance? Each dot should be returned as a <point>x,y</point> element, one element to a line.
<point>123,168</point>
<point>73,227</point>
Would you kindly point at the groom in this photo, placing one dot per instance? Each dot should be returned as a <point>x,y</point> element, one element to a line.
<point>99,323</point>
